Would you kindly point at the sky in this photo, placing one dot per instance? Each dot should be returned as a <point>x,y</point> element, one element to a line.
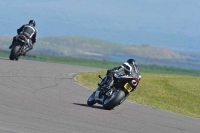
<point>173,24</point>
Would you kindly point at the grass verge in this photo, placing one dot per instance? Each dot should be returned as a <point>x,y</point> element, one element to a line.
<point>176,93</point>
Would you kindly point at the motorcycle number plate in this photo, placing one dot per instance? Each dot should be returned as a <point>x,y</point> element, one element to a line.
<point>128,87</point>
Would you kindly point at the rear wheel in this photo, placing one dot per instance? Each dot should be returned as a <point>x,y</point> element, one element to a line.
<point>14,52</point>
<point>117,98</point>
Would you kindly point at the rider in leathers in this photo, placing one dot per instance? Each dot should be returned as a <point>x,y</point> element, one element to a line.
<point>127,68</point>
<point>30,32</point>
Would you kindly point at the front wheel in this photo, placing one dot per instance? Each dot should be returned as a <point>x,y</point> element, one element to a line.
<point>91,100</point>
<point>117,98</point>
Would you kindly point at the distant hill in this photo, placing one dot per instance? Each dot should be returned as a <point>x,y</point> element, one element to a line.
<point>84,46</point>
<point>100,49</point>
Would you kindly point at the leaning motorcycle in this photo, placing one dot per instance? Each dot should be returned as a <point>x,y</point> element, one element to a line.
<point>19,47</point>
<point>115,95</point>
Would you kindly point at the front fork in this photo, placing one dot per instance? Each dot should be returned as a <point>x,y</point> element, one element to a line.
<point>101,95</point>
<point>110,92</point>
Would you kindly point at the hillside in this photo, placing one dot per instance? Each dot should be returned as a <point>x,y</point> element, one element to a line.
<point>85,46</point>
<point>100,49</point>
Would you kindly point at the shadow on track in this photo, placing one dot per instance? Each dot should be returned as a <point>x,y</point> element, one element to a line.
<point>85,105</point>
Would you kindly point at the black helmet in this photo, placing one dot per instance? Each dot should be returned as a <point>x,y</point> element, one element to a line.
<point>130,66</point>
<point>32,22</point>
<point>131,62</point>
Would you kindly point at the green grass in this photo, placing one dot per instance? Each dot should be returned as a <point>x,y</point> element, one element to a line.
<point>176,93</point>
<point>4,53</point>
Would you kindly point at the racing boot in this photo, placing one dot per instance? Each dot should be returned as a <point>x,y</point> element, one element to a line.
<point>11,46</point>
<point>24,54</point>
<point>26,49</point>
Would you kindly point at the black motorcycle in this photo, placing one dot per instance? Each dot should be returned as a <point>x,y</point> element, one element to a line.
<point>19,47</point>
<point>115,95</point>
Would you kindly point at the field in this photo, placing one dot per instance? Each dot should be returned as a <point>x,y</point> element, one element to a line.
<point>167,88</point>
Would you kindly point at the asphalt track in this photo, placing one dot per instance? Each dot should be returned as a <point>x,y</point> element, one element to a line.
<point>39,97</point>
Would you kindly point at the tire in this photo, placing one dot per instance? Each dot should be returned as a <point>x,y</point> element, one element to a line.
<point>14,51</point>
<point>117,98</point>
<point>91,101</point>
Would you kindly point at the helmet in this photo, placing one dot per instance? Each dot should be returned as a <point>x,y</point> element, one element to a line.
<point>32,22</point>
<point>131,62</point>
<point>129,66</point>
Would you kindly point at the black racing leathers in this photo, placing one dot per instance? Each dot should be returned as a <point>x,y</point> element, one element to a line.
<point>110,79</point>
<point>29,31</point>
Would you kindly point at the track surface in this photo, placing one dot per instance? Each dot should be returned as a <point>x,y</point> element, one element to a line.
<point>38,97</point>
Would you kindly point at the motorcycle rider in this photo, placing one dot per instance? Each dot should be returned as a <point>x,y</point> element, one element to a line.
<point>128,68</point>
<point>30,32</point>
